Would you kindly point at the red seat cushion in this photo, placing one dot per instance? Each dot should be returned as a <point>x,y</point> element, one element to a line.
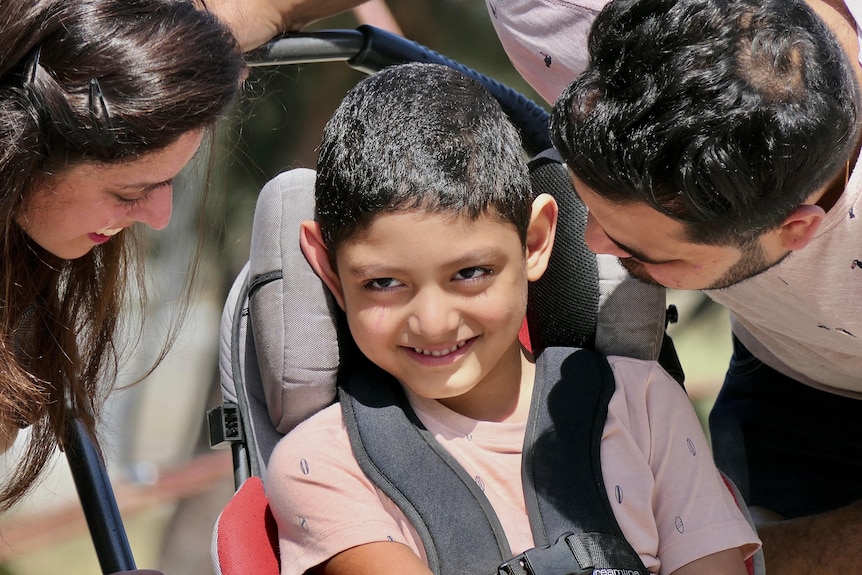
<point>247,536</point>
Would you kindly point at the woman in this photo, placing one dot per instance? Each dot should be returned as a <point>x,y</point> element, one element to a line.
<point>102,102</point>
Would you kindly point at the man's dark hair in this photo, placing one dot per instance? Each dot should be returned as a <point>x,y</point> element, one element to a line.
<point>725,115</point>
<point>423,137</point>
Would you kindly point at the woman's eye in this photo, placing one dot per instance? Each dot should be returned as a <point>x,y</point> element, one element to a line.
<point>472,273</point>
<point>382,283</point>
<point>146,195</point>
<point>132,202</point>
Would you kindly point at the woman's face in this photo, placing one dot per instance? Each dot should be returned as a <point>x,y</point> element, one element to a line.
<point>87,204</point>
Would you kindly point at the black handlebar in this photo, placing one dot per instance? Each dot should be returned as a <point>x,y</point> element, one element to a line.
<point>97,500</point>
<point>369,49</point>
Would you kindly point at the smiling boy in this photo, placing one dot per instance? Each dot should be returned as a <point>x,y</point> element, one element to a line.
<point>427,234</point>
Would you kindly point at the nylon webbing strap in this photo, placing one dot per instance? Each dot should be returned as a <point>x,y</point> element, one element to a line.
<point>563,483</point>
<point>605,554</point>
<point>394,450</point>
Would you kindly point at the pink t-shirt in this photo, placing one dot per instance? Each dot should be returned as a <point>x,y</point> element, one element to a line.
<point>665,492</point>
<point>546,40</point>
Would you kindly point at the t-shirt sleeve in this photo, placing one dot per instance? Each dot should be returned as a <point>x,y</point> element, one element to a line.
<point>321,500</point>
<point>691,512</point>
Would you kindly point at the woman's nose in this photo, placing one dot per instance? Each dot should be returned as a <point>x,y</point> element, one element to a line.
<point>156,211</point>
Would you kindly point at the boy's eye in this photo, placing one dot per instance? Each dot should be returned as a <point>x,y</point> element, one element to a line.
<point>472,273</point>
<point>382,283</point>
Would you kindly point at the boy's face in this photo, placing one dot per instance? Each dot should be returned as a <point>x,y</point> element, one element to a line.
<point>437,301</point>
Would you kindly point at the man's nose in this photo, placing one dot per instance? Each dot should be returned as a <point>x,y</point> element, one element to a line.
<point>599,242</point>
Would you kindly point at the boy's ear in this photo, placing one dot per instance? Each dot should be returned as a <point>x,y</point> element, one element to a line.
<point>314,249</point>
<point>540,235</point>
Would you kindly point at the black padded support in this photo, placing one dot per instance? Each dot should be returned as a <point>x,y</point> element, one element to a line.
<point>563,482</point>
<point>563,305</point>
<point>393,448</point>
<point>562,469</point>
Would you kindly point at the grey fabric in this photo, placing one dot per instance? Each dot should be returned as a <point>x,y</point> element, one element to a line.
<point>226,364</point>
<point>292,315</point>
<point>631,312</point>
<point>238,365</point>
<point>282,368</point>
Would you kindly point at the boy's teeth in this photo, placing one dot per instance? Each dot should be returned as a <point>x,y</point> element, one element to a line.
<point>110,231</point>
<point>440,352</point>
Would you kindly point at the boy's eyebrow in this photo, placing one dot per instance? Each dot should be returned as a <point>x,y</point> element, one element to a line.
<point>472,258</point>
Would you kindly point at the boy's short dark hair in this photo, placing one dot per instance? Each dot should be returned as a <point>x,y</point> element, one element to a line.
<point>419,137</point>
<point>725,115</point>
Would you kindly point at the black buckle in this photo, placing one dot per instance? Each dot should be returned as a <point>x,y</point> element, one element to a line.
<point>554,559</point>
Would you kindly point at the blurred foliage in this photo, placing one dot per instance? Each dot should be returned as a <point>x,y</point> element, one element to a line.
<point>277,124</point>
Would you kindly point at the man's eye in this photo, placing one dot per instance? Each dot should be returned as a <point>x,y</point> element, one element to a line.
<point>382,283</point>
<point>472,273</point>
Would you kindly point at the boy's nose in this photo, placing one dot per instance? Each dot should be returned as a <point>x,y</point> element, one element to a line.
<point>156,211</point>
<point>433,316</point>
<point>598,241</point>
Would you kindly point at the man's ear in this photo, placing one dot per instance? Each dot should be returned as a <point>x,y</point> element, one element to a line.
<point>314,249</point>
<point>799,227</point>
<point>540,235</point>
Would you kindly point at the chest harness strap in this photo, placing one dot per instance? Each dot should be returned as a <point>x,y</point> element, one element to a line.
<point>570,516</point>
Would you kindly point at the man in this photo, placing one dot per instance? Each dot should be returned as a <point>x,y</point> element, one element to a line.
<point>712,144</point>
<point>755,203</point>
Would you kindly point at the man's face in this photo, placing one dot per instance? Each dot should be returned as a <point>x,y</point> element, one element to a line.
<point>653,248</point>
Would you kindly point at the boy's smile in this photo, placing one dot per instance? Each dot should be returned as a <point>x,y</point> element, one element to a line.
<point>437,301</point>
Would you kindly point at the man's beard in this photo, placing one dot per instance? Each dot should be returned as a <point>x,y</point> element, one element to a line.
<point>751,263</point>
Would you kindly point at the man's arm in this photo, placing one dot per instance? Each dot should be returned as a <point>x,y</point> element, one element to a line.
<point>254,22</point>
<point>826,544</point>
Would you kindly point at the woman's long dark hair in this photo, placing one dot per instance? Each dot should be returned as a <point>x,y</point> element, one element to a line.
<point>85,81</point>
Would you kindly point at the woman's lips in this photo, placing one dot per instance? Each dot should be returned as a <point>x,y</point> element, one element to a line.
<point>104,235</point>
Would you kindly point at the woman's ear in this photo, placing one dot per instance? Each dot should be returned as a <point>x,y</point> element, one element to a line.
<point>540,235</point>
<point>313,247</point>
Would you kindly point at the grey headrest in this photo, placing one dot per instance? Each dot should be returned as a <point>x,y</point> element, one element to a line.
<point>290,310</point>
